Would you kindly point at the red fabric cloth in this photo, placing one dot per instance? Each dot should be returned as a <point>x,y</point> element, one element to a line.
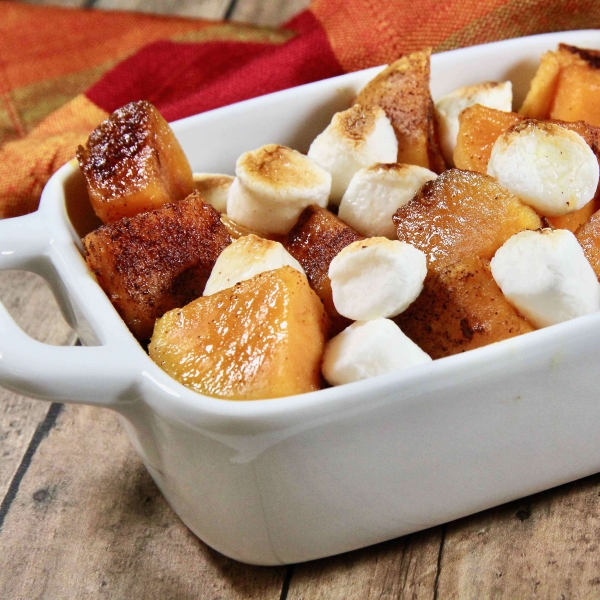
<point>185,79</point>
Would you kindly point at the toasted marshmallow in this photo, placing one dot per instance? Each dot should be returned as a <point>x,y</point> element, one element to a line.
<point>546,276</point>
<point>214,188</point>
<point>355,138</point>
<point>273,185</point>
<point>448,108</point>
<point>375,193</point>
<point>376,278</point>
<point>246,257</point>
<point>549,167</point>
<point>369,348</point>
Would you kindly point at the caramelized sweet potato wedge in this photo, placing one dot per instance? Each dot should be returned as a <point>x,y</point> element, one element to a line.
<point>481,126</point>
<point>133,163</point>
<point>461,214</point>
<point>461,308</point>
<point>402,91</point>
<point>566,86</point>
<point>314,241</point>
<point>157,260</point>
<point>262,338</point>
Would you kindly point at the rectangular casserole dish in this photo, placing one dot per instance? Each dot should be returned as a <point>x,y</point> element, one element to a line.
<point>294,479</point>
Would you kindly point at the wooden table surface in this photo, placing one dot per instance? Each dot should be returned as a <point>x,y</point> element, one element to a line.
<point>81,518</point>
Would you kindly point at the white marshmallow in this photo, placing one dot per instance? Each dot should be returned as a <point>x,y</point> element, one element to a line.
<point>549,167</point>
<point>214,188</point>
<point>274,184</point>
<point>376,278</point>
<point>369,348</point>
<point>546,276</point>
<point>448,108</point>
<point>246,257</point>
<point>355,138</point>
<point>375,193</point>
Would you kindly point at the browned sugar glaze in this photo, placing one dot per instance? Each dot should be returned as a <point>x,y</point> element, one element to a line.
<point>132,162</point>
<point>118,150</point>
<point>460,308</point>
<point>157,260</point>
<point>461,214</point>
<point>314,241</point>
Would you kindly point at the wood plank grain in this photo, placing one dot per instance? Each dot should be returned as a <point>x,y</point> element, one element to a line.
<point>30,302</point>
<point>88,522</point>
<point>66,3</point>
<point>545,546</point>
<point>267,13</point>
<point>205,9</point>
<point>402,568</point>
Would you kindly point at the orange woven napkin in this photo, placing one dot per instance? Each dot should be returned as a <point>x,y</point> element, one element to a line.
<point>62,71</point>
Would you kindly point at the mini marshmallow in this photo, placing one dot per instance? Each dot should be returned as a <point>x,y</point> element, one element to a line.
<point>355,138</point>
<point>548,166</point>
<point>214,188</point>
<point>448,108</point>
<point>367,349</point>
<point>546,276</point>
<point>376,278</point>
<point>273,185</point>
<point>375,193</point>
<point>246,257</point>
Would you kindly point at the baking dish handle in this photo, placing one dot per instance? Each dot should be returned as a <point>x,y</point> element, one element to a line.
<point>94,375</point>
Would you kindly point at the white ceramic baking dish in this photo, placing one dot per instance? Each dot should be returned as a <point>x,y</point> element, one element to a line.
<point>293,479</point>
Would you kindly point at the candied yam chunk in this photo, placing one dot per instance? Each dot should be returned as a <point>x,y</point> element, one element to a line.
<point>157,260</point>
<point>133,163</point>
<point>538,102</point>
<point>573,221</point>
<point>461,308</point>
<point>262,338</point>
<point>314,242</point>
<point>461,214</point>
<point>566,86</point>
<point>479,128</point>
<point>402,90</point>
<point>588,237</point>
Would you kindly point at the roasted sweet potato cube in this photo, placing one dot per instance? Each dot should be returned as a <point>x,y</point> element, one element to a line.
<point>539,99</point>
<point>314,242</point>
<point>133,163</point>
<point>461,214</point>
<point>566,86</point>
<point>588,237</point>
<point>262,338</point>
<point>402,90</point>
<point>461,308</point>
<point>157,260</point>
<point>479,128</point>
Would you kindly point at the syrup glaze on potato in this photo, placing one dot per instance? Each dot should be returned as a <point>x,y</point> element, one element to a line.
<point>314,241</point>
<point>461,308</point>
<point>132,163</point>
<point>462,214</point>
<point>565,86</point>
<point>157,260</point>
<point>261,338</point>
<point>481,126</point>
